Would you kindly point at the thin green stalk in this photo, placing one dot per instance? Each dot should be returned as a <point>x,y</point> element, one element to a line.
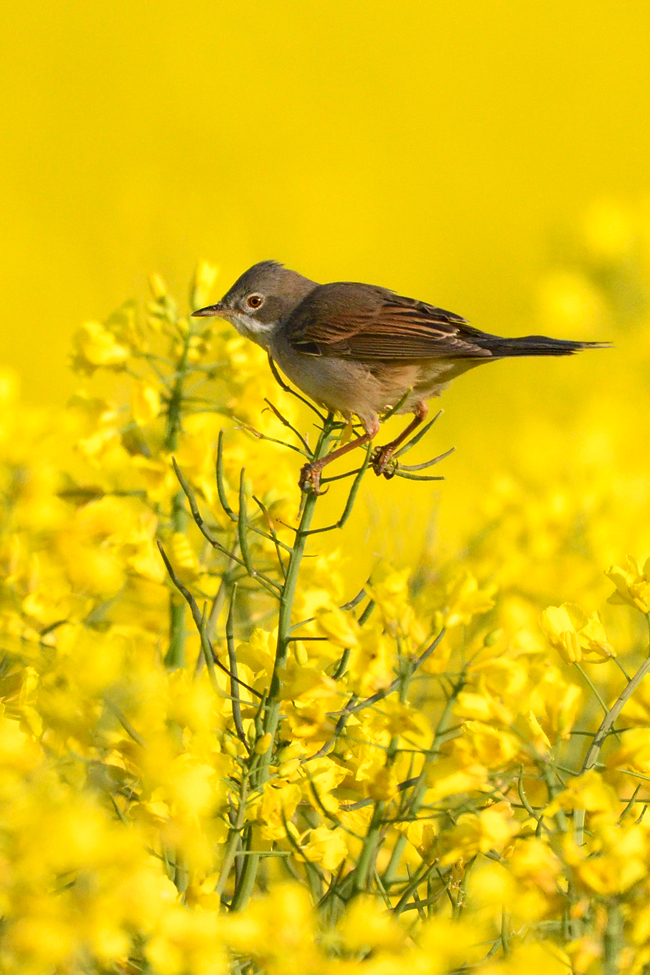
<point>422,874</point>
<point>287,598</point>
<point>612,939</point>
<point>175,656</point>
<point>199,620</point>
<point>232,842</point>
<point>602,733</point>
<point>419,791</point>
<point>365,860</point>
<point>593,687</point>
<point>259,768</point>
<point>232,663</point>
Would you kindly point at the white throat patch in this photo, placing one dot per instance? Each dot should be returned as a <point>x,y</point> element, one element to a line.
<point>249,327</point>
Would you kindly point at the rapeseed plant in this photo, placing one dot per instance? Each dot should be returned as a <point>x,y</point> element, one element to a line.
<point>216,757</point>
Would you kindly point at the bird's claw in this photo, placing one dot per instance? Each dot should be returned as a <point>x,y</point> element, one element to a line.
<point>310,479</point>
<point>382,462</point>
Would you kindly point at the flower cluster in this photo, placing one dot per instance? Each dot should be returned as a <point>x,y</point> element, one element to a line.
<point>217,753</point>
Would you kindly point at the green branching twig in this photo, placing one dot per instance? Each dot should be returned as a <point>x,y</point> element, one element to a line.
<point>349,504</point>
<point>418,436</point>
<point>260,773</point>
<point>427,463</point>
<point>199,621</point>
<point>221,490</point>
<point>245,561</point>
<point>283,420</point>
<point>176,653</point>
<point>268,721</point>
<point>126,724</point>
<point>417,796</point>
<point>601,735</point>
<point>397,683</point>
<point>365,859</point>
<point>242,526</point>
<point>232,661</point>
<point>234,837</point>
<point>207,653</point>
<point>274,535</point>
<point>594,689</point>
<point>267,439</point>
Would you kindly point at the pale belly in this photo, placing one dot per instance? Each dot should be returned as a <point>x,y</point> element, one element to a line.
<point>364,389</point>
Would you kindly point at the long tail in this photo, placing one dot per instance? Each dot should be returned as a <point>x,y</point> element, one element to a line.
<point>538,345</point>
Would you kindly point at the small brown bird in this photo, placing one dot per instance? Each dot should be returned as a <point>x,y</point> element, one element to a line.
<point>361,349</point>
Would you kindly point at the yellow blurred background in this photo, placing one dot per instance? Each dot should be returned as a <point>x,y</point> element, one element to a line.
<point>444,150</point>
<point>430,147</point>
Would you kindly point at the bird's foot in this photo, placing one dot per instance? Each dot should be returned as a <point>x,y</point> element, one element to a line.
<point>382,461</point>
<point>310,478</point>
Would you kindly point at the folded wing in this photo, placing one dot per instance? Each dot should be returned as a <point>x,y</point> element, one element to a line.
<point>365,322</point>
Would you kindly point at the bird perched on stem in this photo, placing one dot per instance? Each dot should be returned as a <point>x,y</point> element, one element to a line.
<point>361,349</point>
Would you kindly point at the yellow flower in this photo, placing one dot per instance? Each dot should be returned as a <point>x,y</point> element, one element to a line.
<point>480,832</point>
<point>183,557</point>
<point>338,626</point>
<point>574,634</point>
<point>383,785</point>
<point>588,791</point>
<point>263,744</point>
<point>533,860</point>
<point>258,653</point>
<point>534,958</point>
<point>632,584</point>
<point>464,599</point>
<point>555,702</point>
<point>534,733</point>
<point>145,403</point>
<point>96,346</point>
<point>372,664</point>
<point>326,847</point>
<point>279,926</point>
<point>447,777</point>
<point>367,924</point>
<point>633,753</point>
<point>185,941</point>
<point>486,745</point>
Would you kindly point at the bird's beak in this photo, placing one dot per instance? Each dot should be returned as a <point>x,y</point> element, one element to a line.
<point>211,311</point>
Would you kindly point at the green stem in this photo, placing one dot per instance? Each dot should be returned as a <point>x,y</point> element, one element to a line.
<point>612,939</point>
<point>419,791</point>
<point>232,841</point>
<point>175,656</point>
<point>286,604</point>
<point>260,769</point>
<point>364,863</point>
<point>601,735</point>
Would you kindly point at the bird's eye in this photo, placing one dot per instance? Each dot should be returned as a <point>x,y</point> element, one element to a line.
<point>255,301</point>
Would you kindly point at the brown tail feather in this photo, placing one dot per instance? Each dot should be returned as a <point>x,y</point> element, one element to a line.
<point>538,345</point>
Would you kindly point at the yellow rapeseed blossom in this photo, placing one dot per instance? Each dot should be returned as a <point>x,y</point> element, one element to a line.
<point>96,346</point>
<point>632,584</point>
<point>145,403</point>
<point>574,635</point>
<point>270,759</point>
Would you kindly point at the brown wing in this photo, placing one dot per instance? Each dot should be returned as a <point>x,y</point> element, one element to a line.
<point>360,321</point>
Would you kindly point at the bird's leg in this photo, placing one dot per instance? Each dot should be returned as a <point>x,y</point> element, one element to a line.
<point>383,455</point>
<point>310,473</point>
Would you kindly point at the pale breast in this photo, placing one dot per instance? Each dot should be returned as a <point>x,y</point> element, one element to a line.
<point>365,389</point>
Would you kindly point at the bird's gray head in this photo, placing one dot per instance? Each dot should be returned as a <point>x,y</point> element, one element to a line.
<point>261,299</point>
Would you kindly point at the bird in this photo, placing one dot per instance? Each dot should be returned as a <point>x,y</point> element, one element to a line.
<point>362,350</point>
